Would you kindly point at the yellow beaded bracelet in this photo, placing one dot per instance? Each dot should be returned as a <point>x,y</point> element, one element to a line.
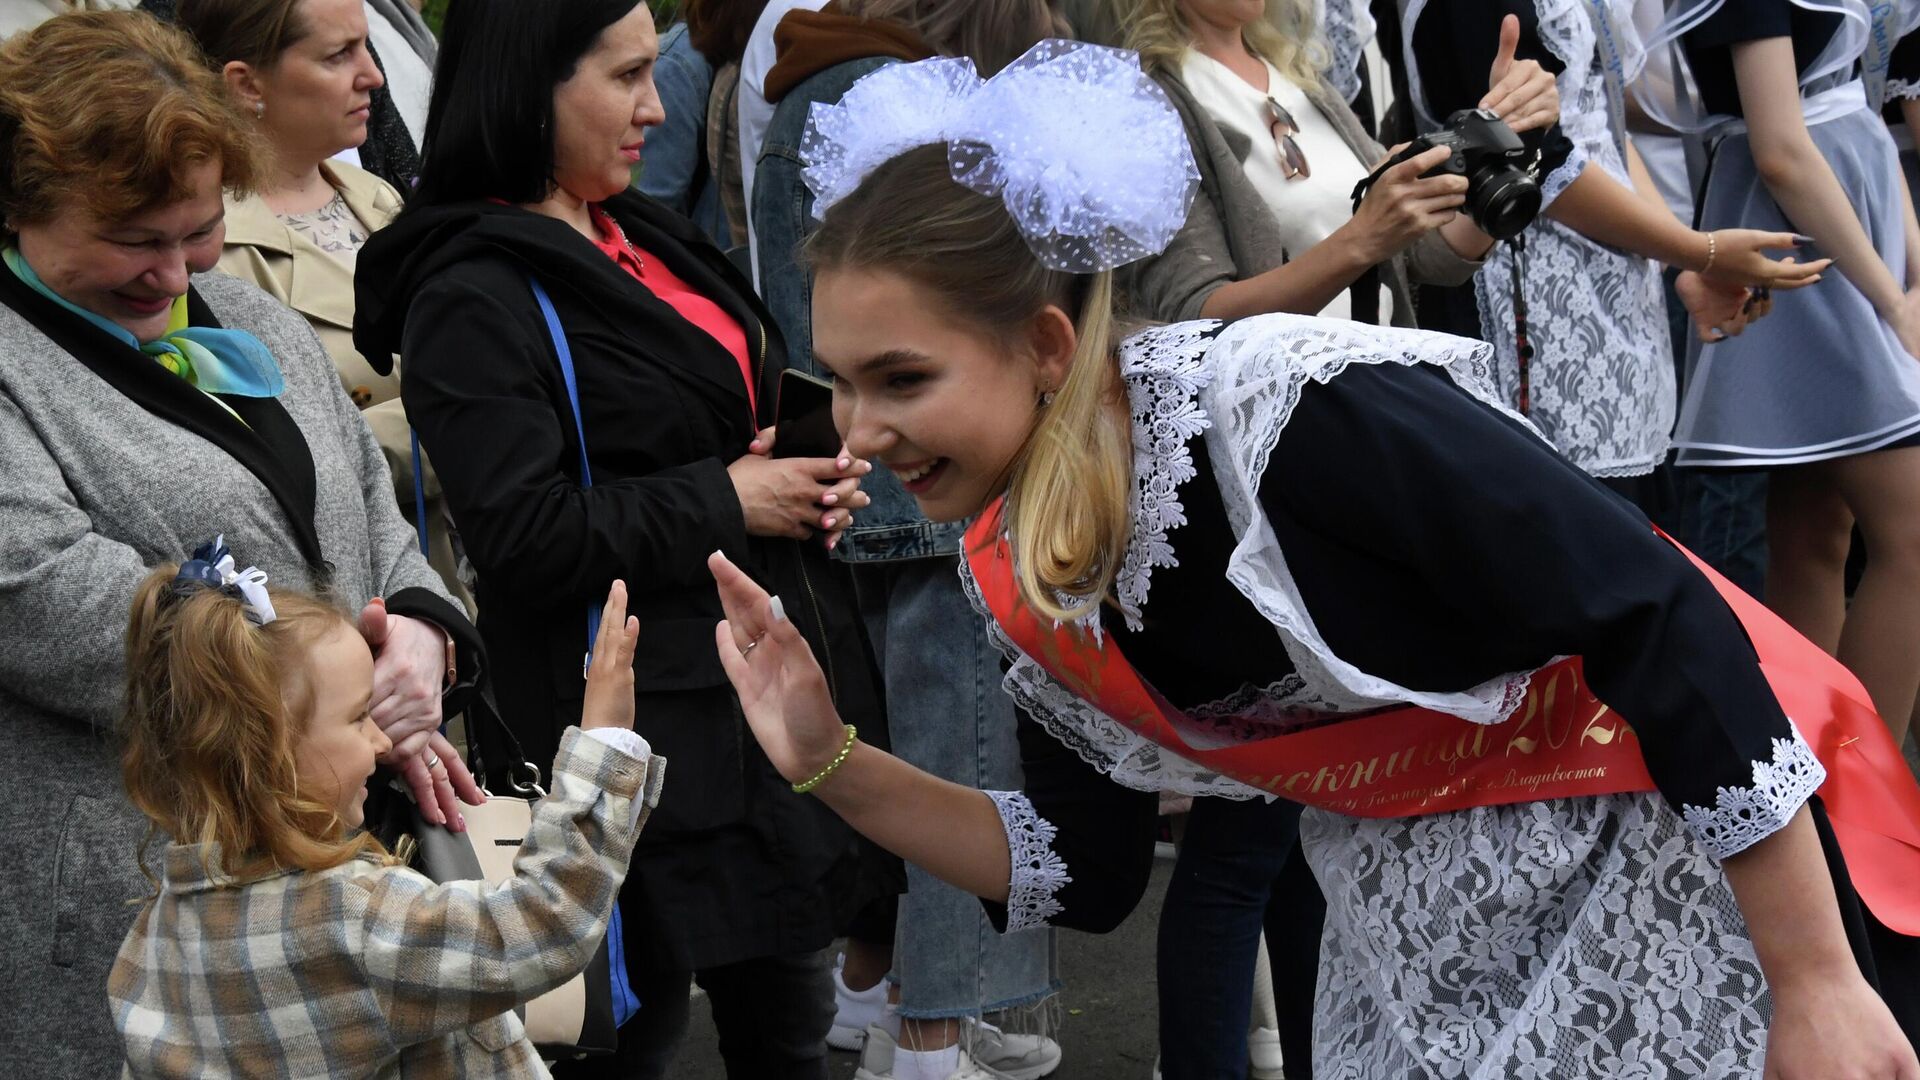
<point>808,785</point>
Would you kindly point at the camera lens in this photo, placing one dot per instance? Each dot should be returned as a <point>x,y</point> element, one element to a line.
<point>1503,201</point>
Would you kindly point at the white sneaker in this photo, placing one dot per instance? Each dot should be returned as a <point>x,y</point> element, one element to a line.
<point>876,1060</point>
<point>1263,1054</point>
<point>854,1011</point>
<point>1012,1055</point>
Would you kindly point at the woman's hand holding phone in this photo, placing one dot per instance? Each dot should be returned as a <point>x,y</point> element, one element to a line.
<point>795,497</point>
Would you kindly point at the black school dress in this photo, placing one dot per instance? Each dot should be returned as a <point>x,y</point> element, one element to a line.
<point>1335,524</point>
<point>1828,378</point>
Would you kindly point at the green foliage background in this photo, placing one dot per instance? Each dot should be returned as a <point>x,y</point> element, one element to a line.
<point>664,12</point>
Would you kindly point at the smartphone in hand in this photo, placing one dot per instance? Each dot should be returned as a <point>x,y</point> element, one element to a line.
<point>803,417</point>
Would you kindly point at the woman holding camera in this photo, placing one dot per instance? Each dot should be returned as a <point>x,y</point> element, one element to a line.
<point>1279,152</point>
<point>1573,308</point>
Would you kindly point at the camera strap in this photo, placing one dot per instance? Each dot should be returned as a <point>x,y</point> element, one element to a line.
<point>1522,343</point>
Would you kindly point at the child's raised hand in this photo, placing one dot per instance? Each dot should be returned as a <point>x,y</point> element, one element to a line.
<point>609,700</point>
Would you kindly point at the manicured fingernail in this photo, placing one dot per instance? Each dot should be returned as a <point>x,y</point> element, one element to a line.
<point>826,522</point>
<point>830,499</point>
<point>779,610</point>
<point>845,463</point>
<point>459,823</point>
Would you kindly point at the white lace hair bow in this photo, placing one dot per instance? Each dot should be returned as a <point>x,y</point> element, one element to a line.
<point>1086,152</point>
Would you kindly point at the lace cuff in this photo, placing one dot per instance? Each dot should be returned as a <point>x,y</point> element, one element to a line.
<point>1743,816</point>
<point>1038,873</point>
<point>1903,89</point>
<point>1557,180</point>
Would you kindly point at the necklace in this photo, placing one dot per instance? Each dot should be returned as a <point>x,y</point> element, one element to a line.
<point>626,245</point>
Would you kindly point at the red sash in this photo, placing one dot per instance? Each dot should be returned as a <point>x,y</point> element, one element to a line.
<point>1562,741</point>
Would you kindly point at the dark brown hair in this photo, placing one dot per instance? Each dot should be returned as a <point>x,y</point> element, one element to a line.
<point>719,29</point>
<point>992,33</point>
<point>112,111</point>
<point>254,32</point>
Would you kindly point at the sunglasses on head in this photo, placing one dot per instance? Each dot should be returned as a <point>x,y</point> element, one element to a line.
<point>1293,160</point>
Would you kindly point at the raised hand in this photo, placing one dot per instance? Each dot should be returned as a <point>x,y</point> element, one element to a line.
<point>609,698</point>
<point>1522,93</point>
<point>781,689</point>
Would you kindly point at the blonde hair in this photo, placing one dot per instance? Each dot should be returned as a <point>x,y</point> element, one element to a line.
<point>1285,38</point>
<point>214,708</point>
<point>1067,507</point>
<point>112,111</point>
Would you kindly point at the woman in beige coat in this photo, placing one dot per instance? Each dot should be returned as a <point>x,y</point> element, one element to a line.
<point>301,68</point>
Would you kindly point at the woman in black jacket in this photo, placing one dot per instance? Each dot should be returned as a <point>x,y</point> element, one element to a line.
<point>538,114</point>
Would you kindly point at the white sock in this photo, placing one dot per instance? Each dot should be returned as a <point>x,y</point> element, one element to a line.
<point>926,1064</point>
<point>890,1022</point>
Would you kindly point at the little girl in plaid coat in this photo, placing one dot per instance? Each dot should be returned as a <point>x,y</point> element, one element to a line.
<point>282,940</point>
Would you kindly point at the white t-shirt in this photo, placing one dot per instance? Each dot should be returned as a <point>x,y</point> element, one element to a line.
<point>756,112</point>
<point>1307,209</point>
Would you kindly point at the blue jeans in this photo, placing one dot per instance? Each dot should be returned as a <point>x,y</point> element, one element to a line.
<point>1239,872</point>
<point>675,168</point>
<point>947,714</point>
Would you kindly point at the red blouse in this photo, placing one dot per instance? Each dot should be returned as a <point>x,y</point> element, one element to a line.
<point>652,273</point>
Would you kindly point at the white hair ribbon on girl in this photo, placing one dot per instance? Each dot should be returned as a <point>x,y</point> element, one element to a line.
<point>212,565</point>
<point>1085,151</point>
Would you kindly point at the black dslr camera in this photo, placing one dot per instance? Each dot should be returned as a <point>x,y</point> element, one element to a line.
<point>1503,197</point>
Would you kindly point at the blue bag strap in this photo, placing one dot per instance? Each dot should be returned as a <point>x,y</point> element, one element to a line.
<point>625,1002</point>
<point>565,354</point>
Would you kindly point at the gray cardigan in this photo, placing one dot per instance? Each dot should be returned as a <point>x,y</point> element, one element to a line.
<point>1230,234</point>
<point>94,489</point>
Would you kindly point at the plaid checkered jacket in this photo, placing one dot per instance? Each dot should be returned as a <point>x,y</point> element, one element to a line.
<point>367,970</point>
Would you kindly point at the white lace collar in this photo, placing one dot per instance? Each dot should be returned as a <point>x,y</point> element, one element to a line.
<point>1165,369</point>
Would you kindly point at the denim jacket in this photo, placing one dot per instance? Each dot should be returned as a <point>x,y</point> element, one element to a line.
<point>892,528</point>
<point>675,170</point>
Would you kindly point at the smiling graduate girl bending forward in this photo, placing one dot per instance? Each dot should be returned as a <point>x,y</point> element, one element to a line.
<point>1306,557</point>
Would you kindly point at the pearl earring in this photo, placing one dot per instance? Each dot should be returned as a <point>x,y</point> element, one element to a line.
<point>259,109</point>
<point>1046,398</point>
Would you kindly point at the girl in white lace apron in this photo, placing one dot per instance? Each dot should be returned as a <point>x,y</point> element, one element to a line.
<point>1283,522</point>
<point>1828,400</point>
<point>1599,382</point>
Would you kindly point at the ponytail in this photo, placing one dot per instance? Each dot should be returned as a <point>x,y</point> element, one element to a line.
<point>1069,505</point>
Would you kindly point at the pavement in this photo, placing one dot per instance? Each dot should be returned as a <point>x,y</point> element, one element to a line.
<point>1111,1014</point>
